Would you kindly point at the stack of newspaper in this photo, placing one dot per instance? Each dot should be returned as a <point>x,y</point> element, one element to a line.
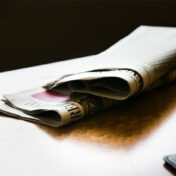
<point>140,62</point>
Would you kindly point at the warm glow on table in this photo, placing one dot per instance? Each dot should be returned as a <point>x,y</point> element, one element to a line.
<point>129,139</point>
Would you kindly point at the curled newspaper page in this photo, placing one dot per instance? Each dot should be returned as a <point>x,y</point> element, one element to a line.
<point>128,67</point>
<point>50,108</point>
<point>140,62</point>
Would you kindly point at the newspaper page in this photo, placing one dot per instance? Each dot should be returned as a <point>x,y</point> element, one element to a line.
<point>39,105</point>
<point>133,64</point>
<point>142,61</point>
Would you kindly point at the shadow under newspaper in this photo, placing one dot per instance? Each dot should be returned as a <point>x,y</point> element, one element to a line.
<point>125,124</point>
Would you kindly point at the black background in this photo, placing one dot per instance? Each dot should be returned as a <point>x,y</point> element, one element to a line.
<point>37,32</point>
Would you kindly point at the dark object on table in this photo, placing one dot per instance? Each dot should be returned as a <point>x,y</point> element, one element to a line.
<point>170,160</point>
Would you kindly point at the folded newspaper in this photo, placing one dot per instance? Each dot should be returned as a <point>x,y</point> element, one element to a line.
<point>140,62</point>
